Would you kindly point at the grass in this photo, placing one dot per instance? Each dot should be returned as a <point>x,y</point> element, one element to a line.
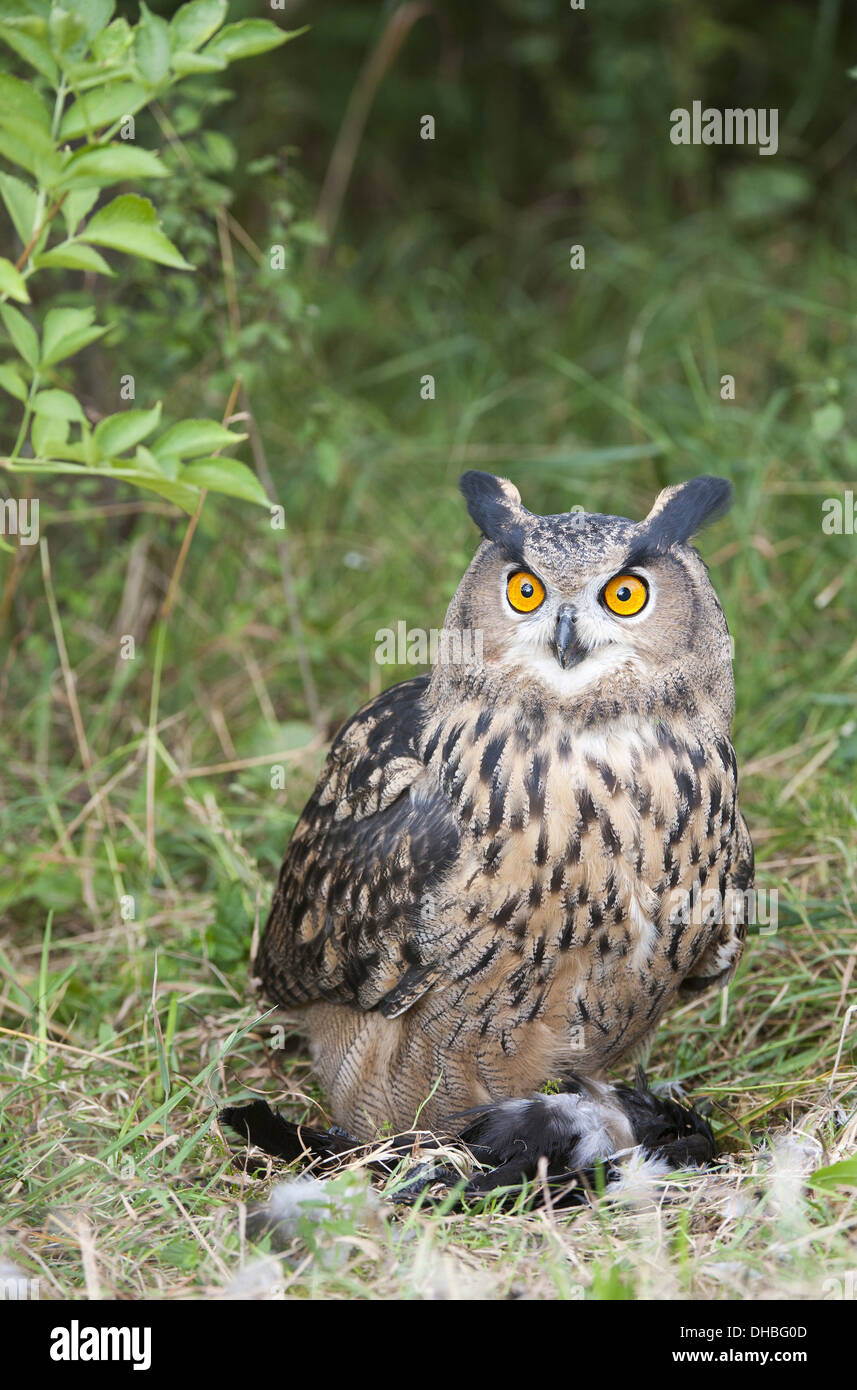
<point>140,836</point>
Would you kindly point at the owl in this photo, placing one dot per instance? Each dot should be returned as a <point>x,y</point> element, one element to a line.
<point>512,866</point>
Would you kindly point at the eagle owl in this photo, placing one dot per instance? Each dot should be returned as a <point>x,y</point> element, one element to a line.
<point>497,882</point>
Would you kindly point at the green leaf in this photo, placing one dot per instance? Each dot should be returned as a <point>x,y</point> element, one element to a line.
<point>168,465</point>
<point>70,255</point>
<point>77,204</point>
<point>48,436</point>
<point>85,76</point>
<point>192,24</point>
<point>22,203</point>
<point>81,452</point>
<point>106,164</point>
<point>11,282</point>
<point>102,106</point>
<point>843,1174</point>
<point>24,141</point>
<point>66,331</point>
<point>22,333</point>
<point>116,433</point>
<point>130,224</point>
<point>26,35</point>
<point>186,64</point>
<point>178,493</point>
<point>152,46</point>
<point>65,29</point>
<point>58,405</point>
<point>97,18</point>
<point>145,461</point>
<point>248,37</point>
<point>13,382</point>
<point>228,476</point>
<point>190,438</point>
<point>112,43</point>
<point>22,98</point>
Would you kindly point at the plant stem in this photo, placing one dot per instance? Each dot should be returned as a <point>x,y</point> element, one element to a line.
<point>51,214</point>
<point>28,410</point>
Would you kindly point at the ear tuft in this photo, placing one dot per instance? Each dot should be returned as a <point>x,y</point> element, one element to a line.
<point>495,506</point>
<point>510,491</point>
<point>680,511</point>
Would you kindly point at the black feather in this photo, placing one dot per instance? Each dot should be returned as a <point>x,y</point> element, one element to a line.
<point>694,505</point>
<point>666,1129</point>
<point>258,1124</point>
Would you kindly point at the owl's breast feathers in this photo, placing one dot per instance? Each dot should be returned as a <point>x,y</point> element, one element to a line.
<point>514,868</point>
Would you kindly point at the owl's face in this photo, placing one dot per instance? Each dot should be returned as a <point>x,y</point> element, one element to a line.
<point>593,608</point>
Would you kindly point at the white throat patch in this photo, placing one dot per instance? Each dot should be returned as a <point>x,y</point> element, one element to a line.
<point>604,661</point>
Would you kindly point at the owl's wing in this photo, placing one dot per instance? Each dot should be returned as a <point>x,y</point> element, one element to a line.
<point>719,961</point>
<point>375,835</point>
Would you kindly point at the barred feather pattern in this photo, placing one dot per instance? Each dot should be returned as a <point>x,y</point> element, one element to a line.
<point>480,896</point>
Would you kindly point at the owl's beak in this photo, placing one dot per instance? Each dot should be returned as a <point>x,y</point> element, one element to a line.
<point>568,650</point>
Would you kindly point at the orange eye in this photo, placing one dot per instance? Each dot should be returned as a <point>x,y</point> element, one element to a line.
<point>524,591</point>
<point>625,595</point>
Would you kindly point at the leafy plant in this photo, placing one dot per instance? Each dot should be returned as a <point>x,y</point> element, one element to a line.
<point>69,133</point>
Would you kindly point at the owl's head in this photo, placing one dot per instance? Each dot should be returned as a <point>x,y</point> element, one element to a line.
<point>596,613</point>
